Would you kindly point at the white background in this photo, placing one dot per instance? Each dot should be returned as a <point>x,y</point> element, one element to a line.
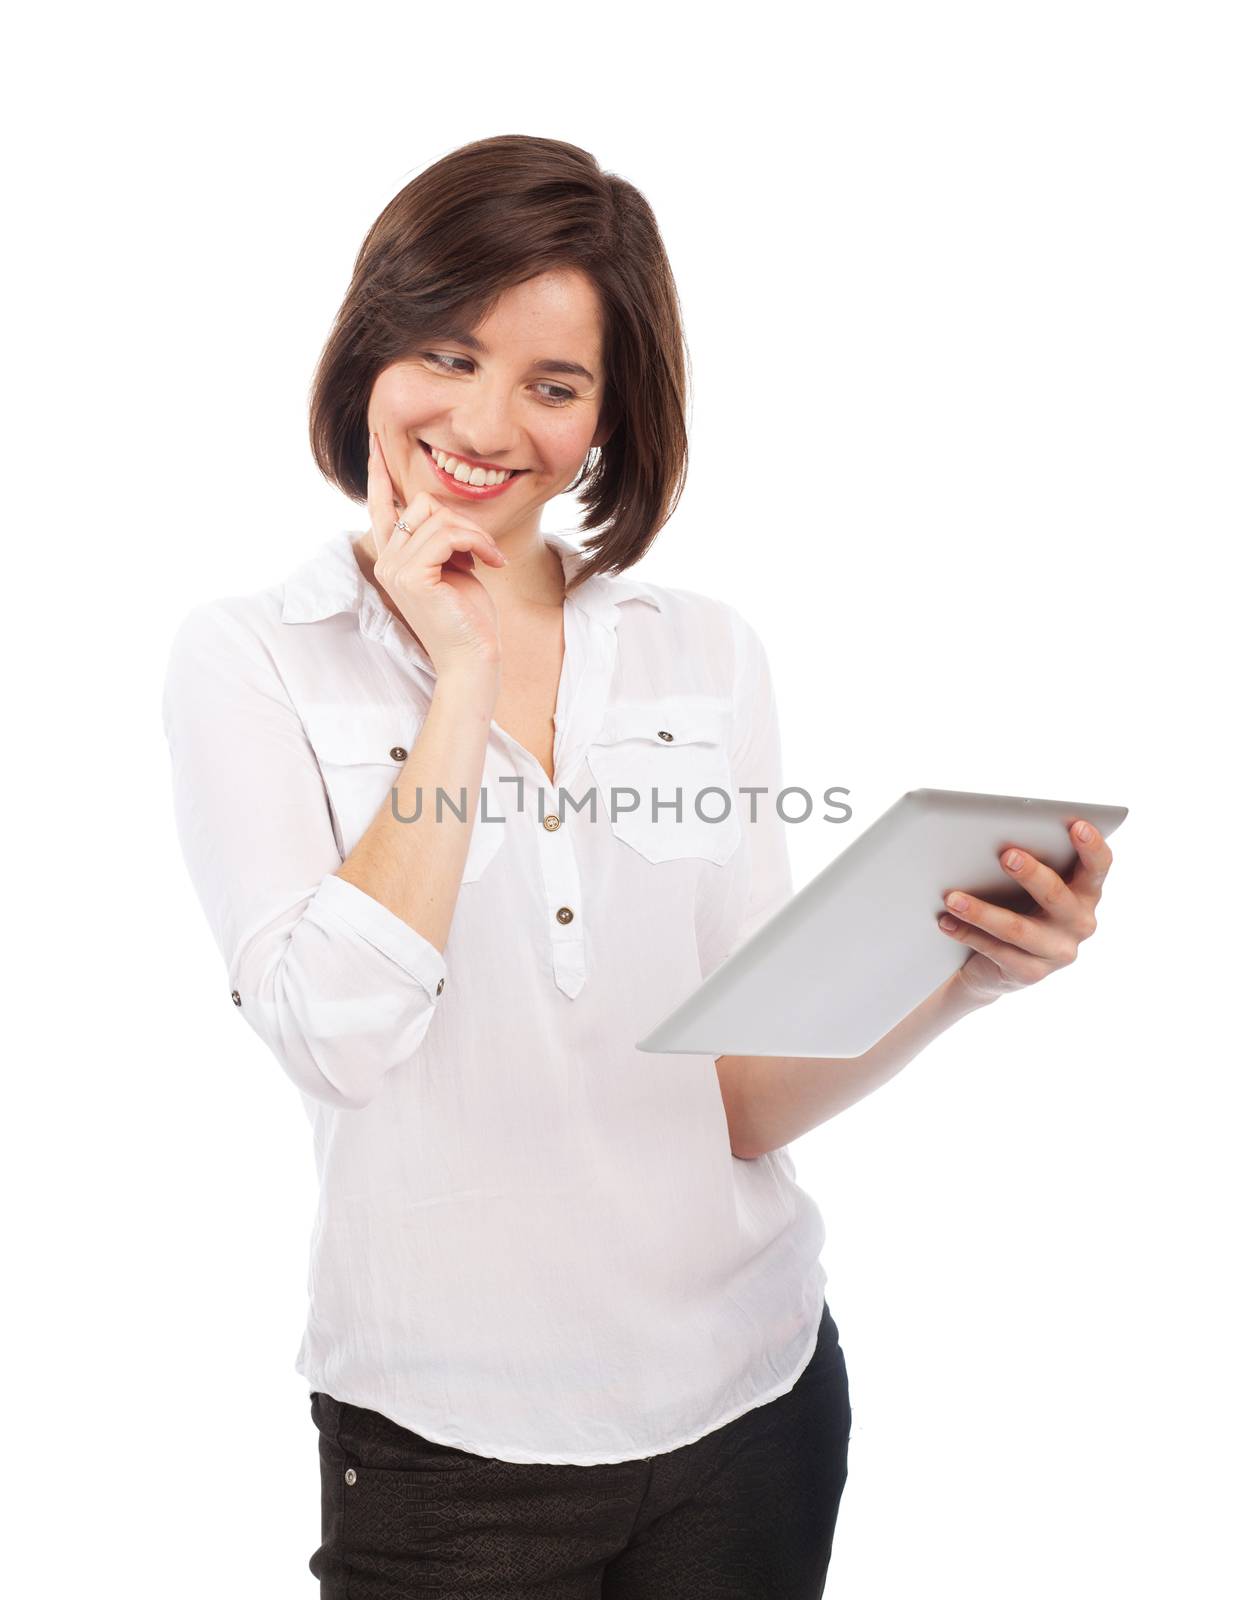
<point>957,287</point>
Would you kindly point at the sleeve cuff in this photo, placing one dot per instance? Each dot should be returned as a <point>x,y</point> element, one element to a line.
<point>378,926</point>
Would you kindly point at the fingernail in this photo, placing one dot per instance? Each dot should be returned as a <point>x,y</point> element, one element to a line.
<point>949,924</point>
<point>1084,832</point>
<point>958,902</point>
<point>1013,859</point>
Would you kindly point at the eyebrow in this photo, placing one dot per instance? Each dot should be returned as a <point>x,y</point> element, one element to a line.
<point>572,368</point>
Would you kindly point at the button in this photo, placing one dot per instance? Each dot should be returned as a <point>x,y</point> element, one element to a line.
<point>398,753</point>
<point>553,823</point>
<point>235,997</point>
<point>350,1475</point>
<point>565,914</point>
<point>667,737</point>
<point>441,984</point>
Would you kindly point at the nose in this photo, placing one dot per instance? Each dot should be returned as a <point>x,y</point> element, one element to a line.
<point>483,427</point>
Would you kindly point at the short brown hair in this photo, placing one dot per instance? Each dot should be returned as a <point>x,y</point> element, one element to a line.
<point>484,218</point>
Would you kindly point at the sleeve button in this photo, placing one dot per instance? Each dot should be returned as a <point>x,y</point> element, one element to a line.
<point>235,997</point>
<point>565,914</point>
<point>667,737</point>
<point>441,984</point>
<point>398,753</point>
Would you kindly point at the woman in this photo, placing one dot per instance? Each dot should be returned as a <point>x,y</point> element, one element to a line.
<point>567,1330</point>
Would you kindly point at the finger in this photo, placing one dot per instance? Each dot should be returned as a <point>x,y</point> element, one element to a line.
<point>440,544</point>
<point>385,513</point>
<point>380,497</point>
<point>1093,864</point>
<point>408,524</point>
<point>1047,888</point>
<point>1016,964</point>
<point>418,514</point>
<point>1034,934</point>
<point>441,520</point>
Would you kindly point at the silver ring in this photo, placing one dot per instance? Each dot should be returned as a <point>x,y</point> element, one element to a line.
<point>402,526</point>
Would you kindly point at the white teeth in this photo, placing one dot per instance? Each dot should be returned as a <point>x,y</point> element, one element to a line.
<point>477,477</point>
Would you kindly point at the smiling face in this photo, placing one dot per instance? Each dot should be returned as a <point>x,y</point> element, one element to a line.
<point>519,393</point>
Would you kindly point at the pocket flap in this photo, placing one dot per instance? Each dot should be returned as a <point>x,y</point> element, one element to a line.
<point>667,722</point>
<point>346,735</point>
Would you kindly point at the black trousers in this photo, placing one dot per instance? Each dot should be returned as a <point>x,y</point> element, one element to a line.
<point>747,1511</point>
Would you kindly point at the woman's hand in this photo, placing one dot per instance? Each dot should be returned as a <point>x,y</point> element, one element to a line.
<point>428,573</point>
<point>1011,949</point>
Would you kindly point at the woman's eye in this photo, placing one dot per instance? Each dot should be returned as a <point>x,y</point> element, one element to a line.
<point>442,360</point>
<point>560,397</point>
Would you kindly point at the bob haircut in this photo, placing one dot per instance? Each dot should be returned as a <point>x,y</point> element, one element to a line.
<point>484,218</point>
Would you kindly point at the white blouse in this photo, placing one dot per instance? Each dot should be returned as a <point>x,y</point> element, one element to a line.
<point>533,1240</point>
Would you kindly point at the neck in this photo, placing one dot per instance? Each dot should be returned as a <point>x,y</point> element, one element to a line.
<point>532,577</point>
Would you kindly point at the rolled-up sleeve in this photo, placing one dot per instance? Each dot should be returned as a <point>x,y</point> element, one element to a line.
<point>762,881</point>
<point>334,983</point>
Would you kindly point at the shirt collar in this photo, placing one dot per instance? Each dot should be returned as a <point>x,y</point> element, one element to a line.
<point>330,581</point>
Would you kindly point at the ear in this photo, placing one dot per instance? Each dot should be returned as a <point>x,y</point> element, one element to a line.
<point>603,434</point>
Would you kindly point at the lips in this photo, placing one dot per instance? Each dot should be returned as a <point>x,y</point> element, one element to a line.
<point>468,491</point>
<point>485,466</point>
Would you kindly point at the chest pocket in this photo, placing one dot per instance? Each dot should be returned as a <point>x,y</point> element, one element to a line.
<point>654,748</point>
<point>361,750</point>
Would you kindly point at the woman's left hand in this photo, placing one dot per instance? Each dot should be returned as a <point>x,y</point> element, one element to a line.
<point>1012,950</point>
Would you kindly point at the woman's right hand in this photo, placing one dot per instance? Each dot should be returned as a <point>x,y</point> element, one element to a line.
<point>428,573</point>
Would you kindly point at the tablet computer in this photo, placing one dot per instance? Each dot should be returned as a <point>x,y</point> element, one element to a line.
<point>855,951</point>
